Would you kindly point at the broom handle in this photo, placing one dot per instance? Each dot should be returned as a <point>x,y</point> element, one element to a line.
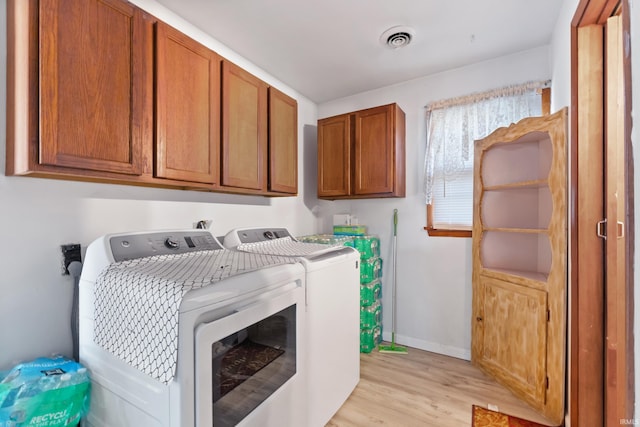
<point>395,275</point>
<point>395,222</point>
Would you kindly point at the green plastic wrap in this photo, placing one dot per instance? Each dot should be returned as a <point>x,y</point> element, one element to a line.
<point>370,269</point>
<point>370,292</point>
<point>369,339</point>
<point>368,246</point>
<point>371,316</point>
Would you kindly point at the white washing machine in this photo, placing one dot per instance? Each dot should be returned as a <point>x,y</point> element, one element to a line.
<point>333,313</point>
<point>177,331</point>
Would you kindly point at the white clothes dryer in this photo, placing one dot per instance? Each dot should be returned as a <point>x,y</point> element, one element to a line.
<point>333,313</point>
<point>177,331</point>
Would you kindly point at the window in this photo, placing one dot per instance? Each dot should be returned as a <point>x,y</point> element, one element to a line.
<point>452,127</point>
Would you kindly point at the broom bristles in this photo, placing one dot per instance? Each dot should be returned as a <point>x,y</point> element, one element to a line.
<point>393,348</point>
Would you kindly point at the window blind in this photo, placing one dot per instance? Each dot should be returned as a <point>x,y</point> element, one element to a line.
<point>453,202</point>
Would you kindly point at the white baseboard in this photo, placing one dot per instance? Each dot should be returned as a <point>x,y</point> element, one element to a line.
<point>457,352</point>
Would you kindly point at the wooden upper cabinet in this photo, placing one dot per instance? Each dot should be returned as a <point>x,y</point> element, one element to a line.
<point>362,154</point>
<point>283,143</point>
<point>94,65</point>
<point>187,108</point>
<point>244,129</point>
<point>94,93</point>
<point>334,156</point>
<point>374,151</point>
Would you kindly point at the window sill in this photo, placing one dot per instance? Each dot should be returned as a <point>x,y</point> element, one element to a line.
<point>447,233</point>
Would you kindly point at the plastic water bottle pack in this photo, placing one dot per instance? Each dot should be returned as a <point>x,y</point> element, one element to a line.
<point>46,392</point>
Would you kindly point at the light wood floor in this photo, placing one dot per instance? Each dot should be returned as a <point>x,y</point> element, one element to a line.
<point>423,389</point>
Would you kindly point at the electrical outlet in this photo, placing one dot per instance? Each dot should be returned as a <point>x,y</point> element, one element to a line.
<point>203,224</point>
<point>70,253</point>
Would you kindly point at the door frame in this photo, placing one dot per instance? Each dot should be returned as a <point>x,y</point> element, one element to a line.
<point>600,392</point>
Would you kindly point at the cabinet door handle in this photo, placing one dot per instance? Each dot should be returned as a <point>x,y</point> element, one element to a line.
<point>601,229</point>
<point>479,319</point>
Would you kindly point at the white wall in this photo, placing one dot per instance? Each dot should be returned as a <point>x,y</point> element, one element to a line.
<point>434,273</point>
<point>38,215</point>
<point>561,56</point>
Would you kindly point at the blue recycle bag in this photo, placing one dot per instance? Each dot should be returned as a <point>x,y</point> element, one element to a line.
<point>46,392</point>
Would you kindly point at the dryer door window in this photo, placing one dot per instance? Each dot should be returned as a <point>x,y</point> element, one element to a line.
<point>251,364</point>
<point>242,360</point>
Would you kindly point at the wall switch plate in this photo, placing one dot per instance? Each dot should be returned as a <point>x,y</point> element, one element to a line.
<point>70,253</point>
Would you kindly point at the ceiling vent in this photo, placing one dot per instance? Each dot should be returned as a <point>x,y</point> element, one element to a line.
<point>397,37</point>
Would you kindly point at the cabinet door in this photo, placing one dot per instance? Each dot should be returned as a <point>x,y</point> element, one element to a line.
<point>334,156</point>
<point>511,328</point>
<point>374,167</point>
<point>187,108</point>
<point>244,129</point>
<point>283,142</point>
<point>93,72</point>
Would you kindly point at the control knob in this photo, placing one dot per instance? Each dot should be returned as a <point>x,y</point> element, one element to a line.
<point>171,243</point>
<point>269,235</point>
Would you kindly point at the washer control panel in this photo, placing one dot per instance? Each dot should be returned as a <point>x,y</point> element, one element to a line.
<point>253,235</point>
<point>132,246</point>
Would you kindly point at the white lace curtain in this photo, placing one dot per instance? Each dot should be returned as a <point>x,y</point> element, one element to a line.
<point>454,124</point>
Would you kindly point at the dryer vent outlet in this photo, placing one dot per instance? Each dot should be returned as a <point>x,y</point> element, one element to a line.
<point>70,253</point>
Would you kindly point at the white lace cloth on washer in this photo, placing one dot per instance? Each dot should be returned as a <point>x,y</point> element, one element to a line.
<point>137,302</point>
<point>286,246</point>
